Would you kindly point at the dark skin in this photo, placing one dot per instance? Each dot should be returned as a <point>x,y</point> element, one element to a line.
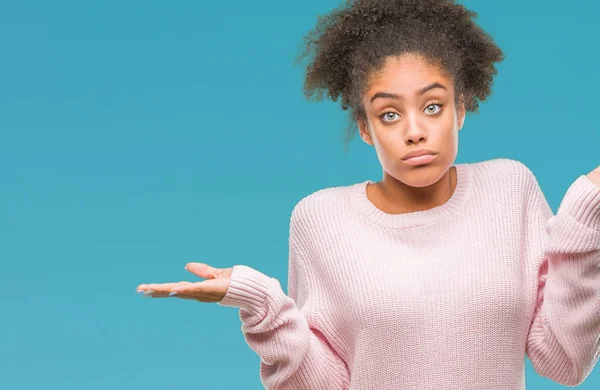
<point>396,126</point>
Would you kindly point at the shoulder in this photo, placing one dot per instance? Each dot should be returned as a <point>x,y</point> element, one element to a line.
<point>318,207</point>
<point>503,168</point>
<point>320,201</point>
<point>508,173</point>
<point>505,179</point>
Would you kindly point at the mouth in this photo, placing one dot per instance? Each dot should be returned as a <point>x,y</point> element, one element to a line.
<point>420,160</point>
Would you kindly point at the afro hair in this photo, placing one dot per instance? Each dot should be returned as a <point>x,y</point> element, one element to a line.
<point>353,41</point>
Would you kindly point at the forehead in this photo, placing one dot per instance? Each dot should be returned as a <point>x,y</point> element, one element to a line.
<point>407,73</point>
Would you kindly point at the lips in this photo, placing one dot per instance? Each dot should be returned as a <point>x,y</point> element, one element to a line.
<point>417,153</point>
<point>420,160</point>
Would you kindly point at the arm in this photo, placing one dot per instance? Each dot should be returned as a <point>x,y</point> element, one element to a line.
<point>563,342</point>
<point>285,331</point>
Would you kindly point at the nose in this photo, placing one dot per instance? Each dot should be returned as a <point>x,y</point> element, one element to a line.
<point>415,132</point>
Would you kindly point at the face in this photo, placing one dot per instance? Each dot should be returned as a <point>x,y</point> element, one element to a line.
<point>410,106</point>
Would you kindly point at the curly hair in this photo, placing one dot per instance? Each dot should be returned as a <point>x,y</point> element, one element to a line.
<point>352,42</point>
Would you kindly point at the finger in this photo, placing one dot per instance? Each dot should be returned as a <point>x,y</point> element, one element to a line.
<point>193,288</point>
<point>158,291</point>
<point>156,288</point>
<point>205,291</point>
<point>203,270</point>
<point>183,297</point>
<point>154,294</point>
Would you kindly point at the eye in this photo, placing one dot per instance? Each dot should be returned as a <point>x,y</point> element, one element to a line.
<point>433,105</point>
<point>388,116</point>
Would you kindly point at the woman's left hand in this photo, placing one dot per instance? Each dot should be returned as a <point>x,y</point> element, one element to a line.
<point>594,176</point>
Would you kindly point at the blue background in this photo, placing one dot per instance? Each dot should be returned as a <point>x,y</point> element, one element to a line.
<point>136,136</point>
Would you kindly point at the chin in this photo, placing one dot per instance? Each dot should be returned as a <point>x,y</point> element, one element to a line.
<point>422,175</point>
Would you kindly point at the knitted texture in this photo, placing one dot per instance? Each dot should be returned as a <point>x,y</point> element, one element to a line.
<point>453,297</point>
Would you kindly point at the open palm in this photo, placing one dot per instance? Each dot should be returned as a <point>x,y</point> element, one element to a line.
<point>594,176</point>
<point>213,289</point>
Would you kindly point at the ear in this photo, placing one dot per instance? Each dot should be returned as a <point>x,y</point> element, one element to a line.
<point>363,130</point>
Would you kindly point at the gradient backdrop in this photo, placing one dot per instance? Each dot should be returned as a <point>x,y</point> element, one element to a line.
<point>136,136</point>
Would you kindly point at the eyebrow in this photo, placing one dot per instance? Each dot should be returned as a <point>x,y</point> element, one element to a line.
<point>394,96</point>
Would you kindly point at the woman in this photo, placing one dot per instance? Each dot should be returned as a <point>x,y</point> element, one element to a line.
<point>441,275</point>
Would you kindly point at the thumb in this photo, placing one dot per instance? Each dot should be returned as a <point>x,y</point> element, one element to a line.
<point>202,270</point>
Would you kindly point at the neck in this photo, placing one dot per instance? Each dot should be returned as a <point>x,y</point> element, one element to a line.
<point>395,197</point>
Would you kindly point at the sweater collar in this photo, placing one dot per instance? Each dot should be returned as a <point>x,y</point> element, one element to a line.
<point>359,199</point>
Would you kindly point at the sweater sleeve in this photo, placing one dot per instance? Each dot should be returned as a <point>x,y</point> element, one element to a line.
<point>563,342</point>
<point>285,331</point>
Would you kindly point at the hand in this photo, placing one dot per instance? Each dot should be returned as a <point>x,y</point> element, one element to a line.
<point>211,290</point>
<point>594,176</point>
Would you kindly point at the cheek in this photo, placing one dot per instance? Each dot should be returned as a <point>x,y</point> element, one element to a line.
<point>446,120</point>
<point>390,143</point>
<point>390,149</point>
<point>445,126</point>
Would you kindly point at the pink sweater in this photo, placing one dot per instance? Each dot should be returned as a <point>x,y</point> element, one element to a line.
<point>448,298</point>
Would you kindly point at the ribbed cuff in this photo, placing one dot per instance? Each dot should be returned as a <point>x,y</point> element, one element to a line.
<point>547,353</point>
<point>248,290</point>
<point>582,202</point>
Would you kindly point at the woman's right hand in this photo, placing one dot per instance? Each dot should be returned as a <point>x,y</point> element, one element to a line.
<point>211,290</point>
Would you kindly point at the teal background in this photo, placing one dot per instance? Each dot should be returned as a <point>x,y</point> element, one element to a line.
<point>136,136</point>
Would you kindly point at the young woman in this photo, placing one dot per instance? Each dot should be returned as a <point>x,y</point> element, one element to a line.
<point>441,275</point>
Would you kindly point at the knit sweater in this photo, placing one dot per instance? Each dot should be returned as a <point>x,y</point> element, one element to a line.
<point>452,297</point>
